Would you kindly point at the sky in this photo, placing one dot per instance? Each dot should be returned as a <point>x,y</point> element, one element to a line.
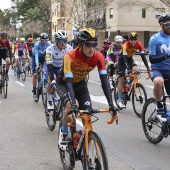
<point>5,4</point>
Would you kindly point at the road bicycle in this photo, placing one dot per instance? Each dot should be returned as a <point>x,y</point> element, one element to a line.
<point>20,71</point>
<point>52,116</point>
<point>154,128</point>
<point>4,81</point>
<point>137,91</point>
<point>41,87</point>
<point>84,145</point>
<point>28,68</point>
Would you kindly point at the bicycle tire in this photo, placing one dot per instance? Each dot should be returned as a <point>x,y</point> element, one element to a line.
<point>95,156</point>
<point>44,93</point>
<point>23,75</point>
<point>4,85</point>
<point>150,122</point>
<point>18,74</point>
<point>141,98</point>
<point>52,119</point>
<point>70,164</point>
<point>115,94</point>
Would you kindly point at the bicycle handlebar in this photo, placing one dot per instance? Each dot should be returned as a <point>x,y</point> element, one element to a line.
<point>94,111</point>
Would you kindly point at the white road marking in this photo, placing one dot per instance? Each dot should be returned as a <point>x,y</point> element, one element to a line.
<point>19,83</point>
<point>94,82</point>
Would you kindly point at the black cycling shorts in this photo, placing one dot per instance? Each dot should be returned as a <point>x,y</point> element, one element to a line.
<point>122,67</point>
<point>3,55</point>
<point>81,93</point>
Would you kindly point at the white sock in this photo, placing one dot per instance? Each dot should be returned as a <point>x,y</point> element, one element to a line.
<point>49,97</point>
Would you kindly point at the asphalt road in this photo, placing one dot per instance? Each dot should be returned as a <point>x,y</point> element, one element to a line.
<point>27,144</point>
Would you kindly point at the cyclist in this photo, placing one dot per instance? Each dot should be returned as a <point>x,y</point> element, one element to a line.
<point>5,51</point>
<point>112,56</point>
<point>30,45</point>
<point>74,42</point>
<point>71,84</point>
<point>105,47</point>
<point>21,51</point>
<point>54,59</point>
<point>159,55</point>
<point>38,57</point>
<point>126,61</point>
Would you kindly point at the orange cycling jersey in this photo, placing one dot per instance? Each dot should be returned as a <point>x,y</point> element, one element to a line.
<point>77,66</point>
<point>130,50</point>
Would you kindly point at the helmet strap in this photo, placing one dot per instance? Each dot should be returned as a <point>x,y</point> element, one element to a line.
<point>82,51</point>
<point>165,31</point>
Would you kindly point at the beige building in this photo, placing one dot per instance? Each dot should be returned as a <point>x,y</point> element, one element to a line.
<point>119,19</point>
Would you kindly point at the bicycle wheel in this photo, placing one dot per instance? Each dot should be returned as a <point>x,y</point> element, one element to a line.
<point>18,73</point>
<point>23,75</point>
<point>67,156</point>
<point>139,99</point>
<point>44,93</point>
<point>97,155</point>
<point>38,91</point>
<point>115,93</point>
<point>152,126</point>
<point>4,85</point>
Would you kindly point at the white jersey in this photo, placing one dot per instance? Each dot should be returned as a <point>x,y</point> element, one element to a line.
<point>55,56</point>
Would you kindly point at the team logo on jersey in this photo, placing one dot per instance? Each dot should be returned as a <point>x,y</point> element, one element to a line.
<point>48,57</point>
<point>164,48</point>
<point>87,103</point>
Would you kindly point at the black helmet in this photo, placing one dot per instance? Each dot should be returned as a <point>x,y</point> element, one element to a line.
<point>106,41</point>
<point>87,34</point>
<point>164,17</point>
<point>4,34</point>
<point>133,35</point>
<point>44,36</point>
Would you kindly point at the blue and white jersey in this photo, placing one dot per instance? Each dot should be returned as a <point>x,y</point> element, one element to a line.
<point>159,45</point>
<point>55,56</point>
<point>40,50</point>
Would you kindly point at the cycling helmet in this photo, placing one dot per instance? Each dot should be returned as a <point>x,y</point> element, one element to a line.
<point>4,34</point>
<point>87,34</point>
<point>164,17</point>
<point>118,38</point>
<point>30,39</point>
<point>61,34</point>
<point>106,41</point>
<point>22,39</point>
<point>44,36</point>
<point>133,35</point>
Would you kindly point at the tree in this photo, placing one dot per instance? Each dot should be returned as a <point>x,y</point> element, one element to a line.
<point>84,13</point>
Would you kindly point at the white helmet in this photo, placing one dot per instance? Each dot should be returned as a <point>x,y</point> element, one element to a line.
<point>61,34</point>
<point>22,39</point>
<point>118,38</point>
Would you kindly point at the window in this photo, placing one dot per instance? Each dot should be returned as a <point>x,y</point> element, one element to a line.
<point>111,13</point>
<point>159,11</point>
<point>143,13</point>
<point>63,25</point>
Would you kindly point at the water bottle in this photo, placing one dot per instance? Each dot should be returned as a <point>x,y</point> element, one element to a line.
<point>168,116</point>
<point>55,98</point>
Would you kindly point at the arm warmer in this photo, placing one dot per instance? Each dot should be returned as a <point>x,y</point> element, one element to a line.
<point>71,95</point>
<point>50,71</point>
<point>145,61</point>
<point>156,59</point>
<point>106,88</point>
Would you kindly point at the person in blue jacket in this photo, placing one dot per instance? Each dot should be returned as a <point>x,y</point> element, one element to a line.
<point>39,53</point>
<point>159,56</point>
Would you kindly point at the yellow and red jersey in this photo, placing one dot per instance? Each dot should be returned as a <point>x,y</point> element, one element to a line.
<point>130,50</point>
<point>77,66</point>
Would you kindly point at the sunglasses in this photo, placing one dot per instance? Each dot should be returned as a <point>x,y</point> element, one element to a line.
<point>43,40</point>
<point>133,39</point>
<point>89,45</point>
<point>62,41</point>
<point>167,24</point>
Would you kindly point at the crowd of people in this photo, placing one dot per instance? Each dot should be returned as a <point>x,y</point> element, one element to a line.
<point>69,65</point>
